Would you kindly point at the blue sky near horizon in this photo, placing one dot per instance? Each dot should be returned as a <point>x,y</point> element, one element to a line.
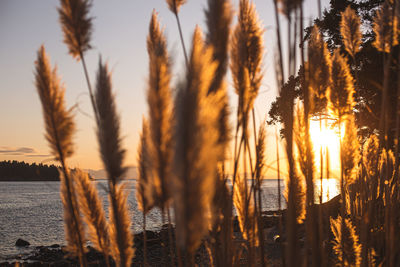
<point>119,36</point>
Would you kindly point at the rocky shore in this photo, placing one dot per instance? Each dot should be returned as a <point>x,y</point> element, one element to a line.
<point>157,249</point>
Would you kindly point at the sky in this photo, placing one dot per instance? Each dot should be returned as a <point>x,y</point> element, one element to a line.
<point>119,36</point>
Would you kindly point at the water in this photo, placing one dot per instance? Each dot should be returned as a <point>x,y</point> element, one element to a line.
<point>33,211</point>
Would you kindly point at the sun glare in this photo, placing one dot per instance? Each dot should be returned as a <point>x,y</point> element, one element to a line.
<point>326,139</point>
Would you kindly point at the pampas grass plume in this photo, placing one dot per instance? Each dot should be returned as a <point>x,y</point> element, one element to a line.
<point>119,227</point>
<point>112,155</point>
<point>350,151</point>
<point>73,227</point>
<point>108,130</point>
<point>59,129</point>
<point>246,212</point>
<point>93,213</point>
<point>144,185</point>
<point>350,254</point>
<point>385,28</point>
<point>174,5</point>
<point>319,70</point>
<point>160,112</point>
<point>58,120</point>
<point>76,25</point>
<point>350,31</point>
<point>197,150</point>
<point>246,56</point>
<point>341,92</point>
<point>371,155</point>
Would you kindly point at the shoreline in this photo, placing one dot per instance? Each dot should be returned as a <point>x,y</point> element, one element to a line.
<point>274,241</point>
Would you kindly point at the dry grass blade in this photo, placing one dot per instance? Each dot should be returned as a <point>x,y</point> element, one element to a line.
<point>246,215</point>
<point>197,149</point>
<point>108,130</point>
<point>350,31</point>
<point>351,251</point>
<point>76,25</point>
<point>385,28</point>
<point>119,227</point>
<point>144,185</point>
<point>160,112</point>
<point>94,216</point>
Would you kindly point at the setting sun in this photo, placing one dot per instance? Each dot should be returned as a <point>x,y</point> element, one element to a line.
<point>327,139</point>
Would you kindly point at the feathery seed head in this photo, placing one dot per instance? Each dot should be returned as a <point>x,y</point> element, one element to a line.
<point>385,28</point>
<point>350,254</point>
<point>76,25</point>
<point>350,151</point>
<point>91,207</point>
<point>160,112</point>
<point>300,138</point>
<point>341,101</point>
<point>121,237</point>
<point>350,31</point>
<point>218,20</point>
<point>197,148</point>
<point>58,121</point>
<point>288,6</point>
<point>319,70</point>
<point>144,187</point>
<point>73,228</point>
<point>246,56</point>
<point>371,155</point>
<point>108,128</point>
<point>245,210</point>
<point>174,5</point>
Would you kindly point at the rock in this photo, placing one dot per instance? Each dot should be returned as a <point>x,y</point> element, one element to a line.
<point>22,243</point>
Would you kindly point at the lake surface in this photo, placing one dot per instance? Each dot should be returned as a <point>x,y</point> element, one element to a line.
<point>33,211</point>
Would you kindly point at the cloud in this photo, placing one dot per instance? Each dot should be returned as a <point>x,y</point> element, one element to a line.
<point>20,151</point>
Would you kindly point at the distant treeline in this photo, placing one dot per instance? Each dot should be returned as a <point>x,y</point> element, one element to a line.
<point>22,171</point>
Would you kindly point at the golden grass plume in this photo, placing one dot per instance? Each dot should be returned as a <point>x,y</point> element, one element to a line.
<point>108,129</point>
<point>196,150</point>
<point>94,216</point>
<point>76,25</point>
<point>350,31</point>
<point>341,92</point>
<point>246,211</point>
<point>58,120</point>
<point>350,151</point>
<point>371,155</point>
<point>144,186</point>
<point>246,56</point>
<point>318,70</point>
<point>174,5</point>
<point>160,112</point>
<point>350,254</point>
<point>73,227</point>
<point>385,28</point>
<point>59,129</point>
<point>119,227</point>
